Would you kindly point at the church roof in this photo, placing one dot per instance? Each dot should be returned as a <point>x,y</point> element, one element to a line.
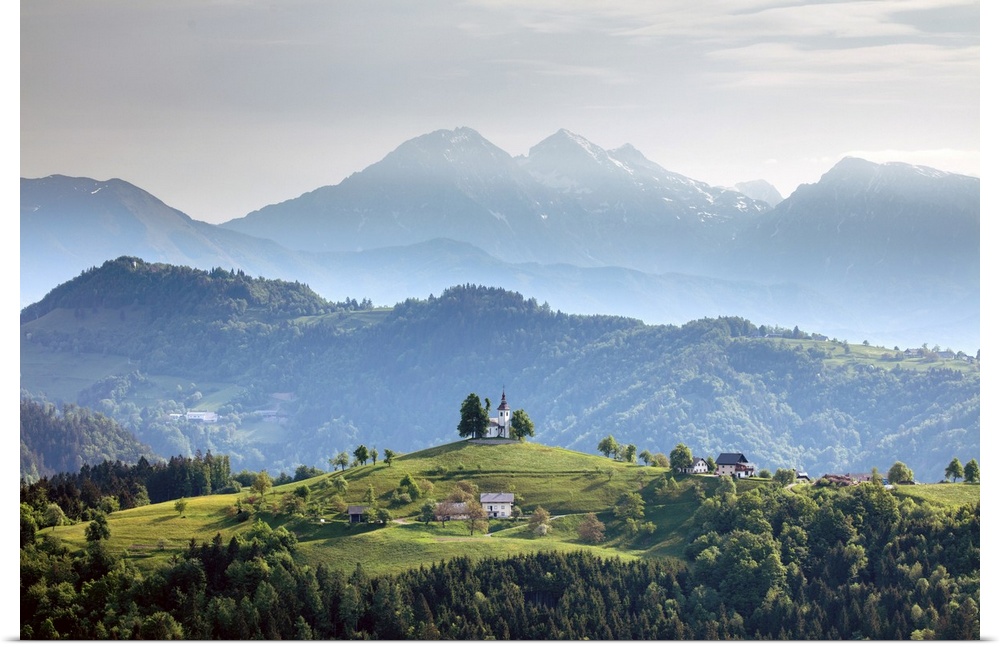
<point>503,402</point>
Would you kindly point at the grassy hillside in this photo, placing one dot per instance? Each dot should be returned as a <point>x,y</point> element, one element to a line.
<point>566,483</point>
<point>944,494</point>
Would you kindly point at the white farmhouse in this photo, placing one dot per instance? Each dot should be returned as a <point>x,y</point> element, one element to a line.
<point>497,504</point>
<point>698,466</point>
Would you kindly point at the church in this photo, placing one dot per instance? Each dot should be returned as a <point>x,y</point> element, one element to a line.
<point>499,427</point>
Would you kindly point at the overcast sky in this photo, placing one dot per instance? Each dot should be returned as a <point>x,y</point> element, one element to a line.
<point>220,108</point>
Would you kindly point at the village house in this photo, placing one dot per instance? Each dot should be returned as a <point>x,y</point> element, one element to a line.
<point>497,504</point>
<point>698,466</point>
<point>735,465</point>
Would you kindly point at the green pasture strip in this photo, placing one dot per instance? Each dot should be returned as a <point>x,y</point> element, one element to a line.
<point>398,547</point>
<point>142,531</point>
<point>947,494</point>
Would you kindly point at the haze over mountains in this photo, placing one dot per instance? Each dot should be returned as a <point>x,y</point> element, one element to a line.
<point>886,252</point>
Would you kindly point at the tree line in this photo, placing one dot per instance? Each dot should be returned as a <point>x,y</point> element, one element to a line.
<point>113,485</point>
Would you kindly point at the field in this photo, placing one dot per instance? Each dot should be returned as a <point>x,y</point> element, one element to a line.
<point>566,483</point>
<point>947,494</point>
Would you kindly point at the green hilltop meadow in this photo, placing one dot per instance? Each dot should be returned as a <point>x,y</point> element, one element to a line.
<point>562,481</point>
<point>566,483</point>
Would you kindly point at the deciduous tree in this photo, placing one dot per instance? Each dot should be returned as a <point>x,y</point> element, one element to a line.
<point>972,471</point>
<point>591,530</point>
<point>608,446</point>
<point>361,453</point>
<point>784,476</point>
<point>262,483</point>
<point>538,517</point>
<point>954,470</point>
<point>427,512</point>
<point>899,473</point>
<point>371,498</point>
<point>630,506</point>
<point>476,519</point>
<point>521,425</point>
<point>680,457</point>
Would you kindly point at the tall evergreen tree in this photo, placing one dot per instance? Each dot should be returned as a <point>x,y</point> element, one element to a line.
<point>475,419</point>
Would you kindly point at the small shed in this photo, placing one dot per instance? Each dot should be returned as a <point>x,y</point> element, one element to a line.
<point>356,513</point>
<point>451,510</point>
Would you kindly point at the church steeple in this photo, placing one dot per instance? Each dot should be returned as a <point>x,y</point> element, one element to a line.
<point>503,416</point>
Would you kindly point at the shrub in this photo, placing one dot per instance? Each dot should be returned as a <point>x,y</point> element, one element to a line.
<point>400,498</point>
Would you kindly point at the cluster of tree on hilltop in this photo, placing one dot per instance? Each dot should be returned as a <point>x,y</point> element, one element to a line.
<point>830,564</point>
<point>715,384</point>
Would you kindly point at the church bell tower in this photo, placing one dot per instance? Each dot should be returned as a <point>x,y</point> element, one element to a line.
<point>503,416</point>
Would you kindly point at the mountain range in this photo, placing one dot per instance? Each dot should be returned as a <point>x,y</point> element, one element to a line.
<point>880,252</point>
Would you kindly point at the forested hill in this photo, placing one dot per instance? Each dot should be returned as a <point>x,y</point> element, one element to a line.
<point>329,376</point>
<point>54,441</point>
<point>171,290</point>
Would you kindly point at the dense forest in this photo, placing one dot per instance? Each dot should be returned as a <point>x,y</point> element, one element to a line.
<point>347,372</point>
<point>768,563</point>
<point>64,440</point>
